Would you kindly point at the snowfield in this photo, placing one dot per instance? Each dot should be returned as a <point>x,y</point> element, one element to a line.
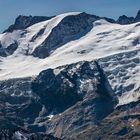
<point>116,47</point>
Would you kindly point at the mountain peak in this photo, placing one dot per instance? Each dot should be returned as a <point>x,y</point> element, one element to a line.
<point>23,22</point>
<point>125,20</point>
<point>128,20</point>
<point>137,19</point>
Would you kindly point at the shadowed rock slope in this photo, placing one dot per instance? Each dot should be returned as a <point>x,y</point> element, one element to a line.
<point>77,95</point>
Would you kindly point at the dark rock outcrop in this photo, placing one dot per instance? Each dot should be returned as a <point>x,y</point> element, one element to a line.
<point>128,20</point>
<point>125,20</point>
<point>137,18</point>
<point>79,92</point>
<point>9,50</point>
<point>2,51</point>
<point>18,134</point>
<point>62,91</point>
<point>16,103</point>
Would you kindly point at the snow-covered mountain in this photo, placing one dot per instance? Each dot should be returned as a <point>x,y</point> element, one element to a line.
<point>68,43</point>
<point>71,38</point>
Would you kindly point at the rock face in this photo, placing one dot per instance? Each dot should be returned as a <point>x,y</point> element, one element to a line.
<point>9,134</point>
<point>15,100</point>
<point>137,19</point>
<point>2,51</point>
<point>23,22</point>
<point>71,85</point>
<point>123,123</point>
<point>74,89</point>
<point>9,50</point>
<point>125,20</point>
<point>128,20</point>
<point>97,102</point>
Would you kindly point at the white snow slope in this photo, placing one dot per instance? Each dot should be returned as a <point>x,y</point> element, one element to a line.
<point>112,44</point>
